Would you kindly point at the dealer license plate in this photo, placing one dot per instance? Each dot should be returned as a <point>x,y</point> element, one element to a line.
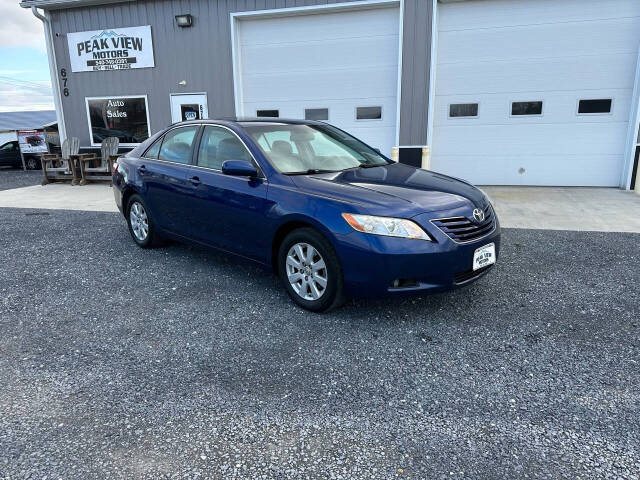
<point>484,256</point>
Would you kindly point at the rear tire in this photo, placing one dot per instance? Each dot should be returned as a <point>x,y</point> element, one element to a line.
<point>31,163</point>
<point>141,226</point>
<point>311,271</point>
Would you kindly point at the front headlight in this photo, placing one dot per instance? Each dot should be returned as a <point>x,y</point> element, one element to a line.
<point>391,227</point>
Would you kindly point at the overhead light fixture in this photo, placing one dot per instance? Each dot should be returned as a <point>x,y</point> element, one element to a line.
<point>185,20</point>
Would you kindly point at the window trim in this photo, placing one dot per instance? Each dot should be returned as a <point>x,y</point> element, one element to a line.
<point>355,111</point>
<point>528,115</point>
<point>146,103</point>
<point>316,108</point>
<point>469,117</point>
<point>610,112</point>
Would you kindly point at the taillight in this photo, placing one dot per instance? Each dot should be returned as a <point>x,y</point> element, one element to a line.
<point>115,167</point>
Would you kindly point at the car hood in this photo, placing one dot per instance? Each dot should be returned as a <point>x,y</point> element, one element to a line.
<point>394,189</point>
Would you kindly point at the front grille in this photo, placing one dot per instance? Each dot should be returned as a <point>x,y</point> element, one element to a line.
<point>462,277</point>
<point>462,229</point>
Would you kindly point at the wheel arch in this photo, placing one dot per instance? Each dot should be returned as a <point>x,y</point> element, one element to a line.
<point>288,226</point>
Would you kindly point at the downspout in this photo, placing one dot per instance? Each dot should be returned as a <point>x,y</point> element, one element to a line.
<point>55,84</point>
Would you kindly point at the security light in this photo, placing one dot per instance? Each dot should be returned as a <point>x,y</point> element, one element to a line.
<point>185,20</point>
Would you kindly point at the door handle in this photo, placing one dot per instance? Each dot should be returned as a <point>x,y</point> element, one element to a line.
<point>195,181</point>
<point>142,169</point>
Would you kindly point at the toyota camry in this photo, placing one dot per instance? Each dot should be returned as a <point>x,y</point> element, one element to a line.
<point>331,215</point>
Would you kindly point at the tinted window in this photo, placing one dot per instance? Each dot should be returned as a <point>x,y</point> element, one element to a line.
<point>152,152</point>
<point>7,147</point>
<point>122,117</point>
<point>316,114</point>
<point>219,144</point>
<point>526,108</point>
<point>176,146</point>
<point>268,113</point>
<point>368,113</point>
<point>602,105</point>
<point>463,110</point>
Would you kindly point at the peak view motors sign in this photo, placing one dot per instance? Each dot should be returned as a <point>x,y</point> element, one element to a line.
<point>111,49</point>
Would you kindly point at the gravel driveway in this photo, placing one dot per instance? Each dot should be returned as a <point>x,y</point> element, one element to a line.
<point>14,178</point>
<point>182,363</point>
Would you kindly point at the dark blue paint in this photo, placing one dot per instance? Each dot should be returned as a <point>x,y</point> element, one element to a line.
<point>243,215</point>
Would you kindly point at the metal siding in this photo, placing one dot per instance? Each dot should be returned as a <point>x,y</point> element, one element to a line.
<point>202,56</point>
<point>416,63</point>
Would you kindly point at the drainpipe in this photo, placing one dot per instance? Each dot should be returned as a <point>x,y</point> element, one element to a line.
<point>55,84</point>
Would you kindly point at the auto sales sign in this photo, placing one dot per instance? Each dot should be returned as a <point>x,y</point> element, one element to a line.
<point>111,49</point>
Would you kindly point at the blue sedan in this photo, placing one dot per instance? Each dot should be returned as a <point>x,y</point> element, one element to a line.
<point>331,215</point>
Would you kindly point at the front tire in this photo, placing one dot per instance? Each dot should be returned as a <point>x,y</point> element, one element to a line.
<point>310,270</point>
<point>140,224</point>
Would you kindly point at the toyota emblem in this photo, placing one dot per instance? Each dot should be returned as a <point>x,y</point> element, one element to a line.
<point>478,215</point>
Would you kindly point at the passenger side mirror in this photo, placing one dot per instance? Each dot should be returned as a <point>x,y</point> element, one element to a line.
<point>239,168</point>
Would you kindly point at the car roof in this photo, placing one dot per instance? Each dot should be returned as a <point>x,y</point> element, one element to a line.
<point>244,121</point>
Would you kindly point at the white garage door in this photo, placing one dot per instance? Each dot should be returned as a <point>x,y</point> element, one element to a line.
<point>558,52</point>
<point>334,65</point>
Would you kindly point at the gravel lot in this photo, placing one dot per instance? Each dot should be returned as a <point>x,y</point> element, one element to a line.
<point>14,178</point>
<point>178,362</point>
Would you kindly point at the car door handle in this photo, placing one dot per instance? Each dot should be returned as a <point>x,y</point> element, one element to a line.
<point>195,181</point>
<point>142,169</point>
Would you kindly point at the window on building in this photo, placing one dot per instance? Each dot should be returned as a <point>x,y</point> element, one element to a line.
<point>123,117</point>
<point>526,108</point>
<point>600,105</point>
<point>463,110</point>
<point>176,146</point>
<point>219,145</point>
<point>268,113</point>
<point>368,113</point>
<point>316,114</point>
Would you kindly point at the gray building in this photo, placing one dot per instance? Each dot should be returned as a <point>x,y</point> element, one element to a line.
<point>525,92</point>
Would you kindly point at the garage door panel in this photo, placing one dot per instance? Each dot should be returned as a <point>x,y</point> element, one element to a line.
<point>582,73</point>
<point>377,52</point>
<point>499,13</point>
<point>548,170</point>
<point>541,139</point>
<point>324,26</point>
<point>319,85</point>
<point>601,37</point>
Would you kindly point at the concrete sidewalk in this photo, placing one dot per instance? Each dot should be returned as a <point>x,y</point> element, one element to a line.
<point>548,208</point>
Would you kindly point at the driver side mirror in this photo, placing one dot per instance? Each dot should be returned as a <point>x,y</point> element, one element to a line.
<point>239,168</point>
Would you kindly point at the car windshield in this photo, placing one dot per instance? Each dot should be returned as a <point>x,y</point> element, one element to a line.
<point>301,149</point>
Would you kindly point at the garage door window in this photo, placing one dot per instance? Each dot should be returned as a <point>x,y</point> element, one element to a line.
<point>369,113</point>
<point>595,106</point>
<point>526,108</point>
<point>316,114</point>
<point>457,110</point>
<point>268,113</point>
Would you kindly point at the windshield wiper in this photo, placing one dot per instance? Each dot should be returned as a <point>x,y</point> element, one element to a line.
<point>312,171</point>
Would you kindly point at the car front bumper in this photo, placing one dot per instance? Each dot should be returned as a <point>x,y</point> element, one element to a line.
<point>372,264</point>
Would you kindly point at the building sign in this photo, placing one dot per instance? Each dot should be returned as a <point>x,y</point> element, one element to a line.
<point>124,117</point>
<point>32,141</point>
<point>111,49</point>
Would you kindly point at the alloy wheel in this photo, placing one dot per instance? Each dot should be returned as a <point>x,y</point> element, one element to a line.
<point>306,271</point>
<point>139,221</point>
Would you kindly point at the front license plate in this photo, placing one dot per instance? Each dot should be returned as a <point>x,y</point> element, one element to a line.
<point>484,256</point>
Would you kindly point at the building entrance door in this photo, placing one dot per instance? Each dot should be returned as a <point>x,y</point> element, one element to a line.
<point>189,106</point>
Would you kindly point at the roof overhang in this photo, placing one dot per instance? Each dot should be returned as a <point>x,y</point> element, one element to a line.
<point>59,4</point>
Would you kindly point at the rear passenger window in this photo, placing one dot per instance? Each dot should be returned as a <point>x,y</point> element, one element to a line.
<point>176,146</point>
<point>219,144</point>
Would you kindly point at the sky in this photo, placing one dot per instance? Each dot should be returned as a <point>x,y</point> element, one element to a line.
<point>25,83</point>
